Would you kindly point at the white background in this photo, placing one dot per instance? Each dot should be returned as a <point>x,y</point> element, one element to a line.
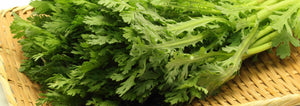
<point>6,4</point>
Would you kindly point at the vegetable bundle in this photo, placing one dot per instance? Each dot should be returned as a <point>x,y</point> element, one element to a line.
<point>112,52</point>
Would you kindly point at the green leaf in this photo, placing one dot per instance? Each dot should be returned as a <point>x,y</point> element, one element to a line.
<point>85,3</point>
<point>37,56</point>
<point>283,42</point>
<point>235,12</point>
<point>281,21</point>
<point>73,92</point>
<point>115,5</point>
<point>100,102</point>
<point>99,40</point>
<point>190,25</point>
<point>98,20</point>
<point>296,25</point>
<point>126,85</point>
<point>176,97</point>
<point>128,16</point>
<point>230,49</point>
<point>130,34</point>
<point>59,81</point>
<point>42,6</point>
<point>117,77</point>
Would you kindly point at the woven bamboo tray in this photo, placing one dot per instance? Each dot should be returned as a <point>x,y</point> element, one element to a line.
<point>18,88</point>
<point>268,81</point>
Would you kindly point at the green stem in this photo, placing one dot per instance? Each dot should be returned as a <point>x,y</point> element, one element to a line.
<point>263,14</point>
<point>191,24</point>
<point>258,49</point>
<point>180,43</point>
<point>44,61</point>
<point>42,46</point>
<point>199,58</point>
<point>232,65</point>
<point>263,32</point>
<point>212,45</point>
<point>244,46</point>
<point>265,39</point>
<point>202,10</point>
<point>268,2</point>
<point>257,2</point>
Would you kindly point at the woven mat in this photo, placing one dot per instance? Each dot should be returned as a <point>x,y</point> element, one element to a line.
<point>19,89</point>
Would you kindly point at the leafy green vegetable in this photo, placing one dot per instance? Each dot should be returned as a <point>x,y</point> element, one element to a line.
<point>130,52</point>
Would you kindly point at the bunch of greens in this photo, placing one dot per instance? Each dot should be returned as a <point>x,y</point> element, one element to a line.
<point>112,52</point>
